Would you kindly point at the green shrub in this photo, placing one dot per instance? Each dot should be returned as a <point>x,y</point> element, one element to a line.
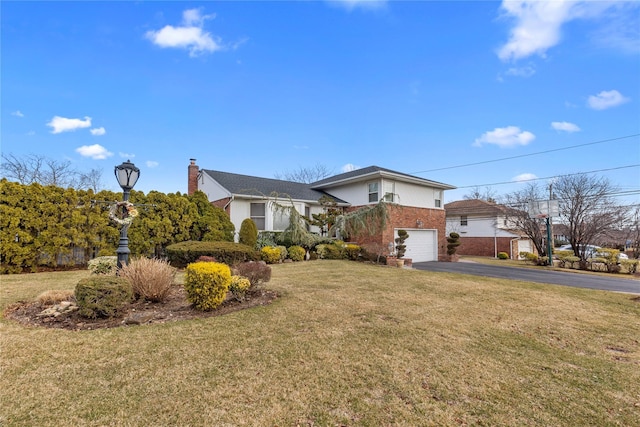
<point>270,255</point>
<point>256,271</point>
<point>265,238</point>
<point>102,296</point>
<point>503,255</point>
<point>151,279</point>
<point>352,251</point>
<point>206,284</point>
<point>334,250</point>
<point>248,233</point>
<point>104,265</point>
<point>284,253</point>
<point>400,246</point>
<point>297,253</point>
<point>239,287</point>
<point>631,265</point>
<point>530,257</point>
<point>184,253</point>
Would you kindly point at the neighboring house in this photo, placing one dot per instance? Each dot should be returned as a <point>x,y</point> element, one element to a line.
<point>484,229</point>
<point>416,204</point>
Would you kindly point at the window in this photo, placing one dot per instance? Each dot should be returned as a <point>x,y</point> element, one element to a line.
<point>307,213</point>
<point>257,214</point>
<point>437,195</point>
<point>463,220</point>
<point>373,192</point>
<point>389,191</point>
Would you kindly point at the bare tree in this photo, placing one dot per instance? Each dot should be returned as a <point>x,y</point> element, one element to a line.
<point>91,180</point>
<point>588,210</point>
<point>306,174</point>
<point>475,193</point>
<point>25,170</point>
<point>35,168</point>
<point>518,215</point>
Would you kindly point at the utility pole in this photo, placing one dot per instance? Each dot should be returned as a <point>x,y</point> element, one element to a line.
<point>550,219</point>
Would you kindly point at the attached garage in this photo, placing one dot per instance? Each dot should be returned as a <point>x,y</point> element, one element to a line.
<point>422,245</point>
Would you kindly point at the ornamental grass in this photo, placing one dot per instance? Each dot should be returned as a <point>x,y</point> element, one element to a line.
<point>150,278</point>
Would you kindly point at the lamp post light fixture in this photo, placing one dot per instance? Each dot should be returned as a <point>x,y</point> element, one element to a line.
<point>127,174</point>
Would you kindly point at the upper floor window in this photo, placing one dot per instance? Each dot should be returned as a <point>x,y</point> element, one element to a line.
<point>258,215</point>
<point>463,220</point>
<point>373,192</point>
<point>389,191</point>
<point>437,195</point>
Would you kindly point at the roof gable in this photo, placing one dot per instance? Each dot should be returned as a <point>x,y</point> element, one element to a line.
<point>474,206</point>
<point>253,186</point>
<point>373,172</point>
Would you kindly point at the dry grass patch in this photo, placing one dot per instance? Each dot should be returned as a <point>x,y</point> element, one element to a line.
<point>346,344</point>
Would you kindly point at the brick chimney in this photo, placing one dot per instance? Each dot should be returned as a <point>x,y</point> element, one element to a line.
<point>193,177</point>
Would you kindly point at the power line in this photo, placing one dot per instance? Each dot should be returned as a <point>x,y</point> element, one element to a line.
<point>549,177</point>
<point>528,155</point>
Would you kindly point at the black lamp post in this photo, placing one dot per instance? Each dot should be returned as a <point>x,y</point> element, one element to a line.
<point>127,174</point>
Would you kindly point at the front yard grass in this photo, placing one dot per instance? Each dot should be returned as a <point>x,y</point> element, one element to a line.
<point>346,344</point>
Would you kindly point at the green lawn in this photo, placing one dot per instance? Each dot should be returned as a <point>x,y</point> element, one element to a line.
<point>346,344</point>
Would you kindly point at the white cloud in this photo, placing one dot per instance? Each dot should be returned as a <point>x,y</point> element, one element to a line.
<point>96,152</point>
<point>17,113</point>
<point>538,24</point>
<point>362,4</point>
<point>509,136</point>
<point>62,124</point>
<point>565,127</point>
<point>521,71</point>
<point>98,131</point>
<point>349,167</point>
<point>606,99</point>
<point>190,35</point>
<point>523,177</point>
<point>152,164</point>
<point>126,155</point>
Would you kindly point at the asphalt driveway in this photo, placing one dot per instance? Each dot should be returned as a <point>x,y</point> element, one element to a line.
<point>567,278</point>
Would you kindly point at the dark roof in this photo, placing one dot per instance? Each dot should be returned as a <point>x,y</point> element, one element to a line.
<point>369,171</point>
<point>266,187</point>
<point>473,206</point>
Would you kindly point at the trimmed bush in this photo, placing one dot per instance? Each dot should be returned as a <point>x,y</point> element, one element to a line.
<point>270,255</point>
<point>530,257</point>
<point>631,265</point>
<point>102,296</point>
<point>206,284</point>
<point>331,251</point>
<point>352,251</point>
<point>503,255</point>
<point>256,271</point>
<point>104,265</point>
<point>248,233</point>
<point>239,287</point>
<point>151,279</point>
<point>453,241</point>
<point>284,253</point>
<point>184,253</point>
<point>297,253</point>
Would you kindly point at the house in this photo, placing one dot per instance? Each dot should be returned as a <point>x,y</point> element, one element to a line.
<point>415,204</point>
<point>484,229</point>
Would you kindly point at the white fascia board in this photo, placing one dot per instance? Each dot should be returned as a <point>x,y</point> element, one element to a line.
<point>385,174</point>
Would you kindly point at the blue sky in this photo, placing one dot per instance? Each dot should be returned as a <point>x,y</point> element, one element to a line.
<point>261,88</point>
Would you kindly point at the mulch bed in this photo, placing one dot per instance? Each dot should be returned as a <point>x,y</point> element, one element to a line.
<point>174,308</point>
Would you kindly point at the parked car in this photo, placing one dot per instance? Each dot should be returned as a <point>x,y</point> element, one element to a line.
<point>592,251</point>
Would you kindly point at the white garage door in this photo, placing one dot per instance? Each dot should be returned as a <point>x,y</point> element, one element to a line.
<point>421,245</point>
